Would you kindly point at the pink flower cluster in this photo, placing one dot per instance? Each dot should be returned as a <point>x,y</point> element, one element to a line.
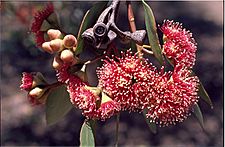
<point>92,103</point>
<point>39,18</point>
<point>127,81</point>
<point>137,85</point>
<point>132,83</point>
<point>27,81</point>
<point>179,44</point>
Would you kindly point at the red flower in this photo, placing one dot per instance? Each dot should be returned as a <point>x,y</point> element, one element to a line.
<point>172,96</point>
<point>84,99</point>
<point>40,38</point>
<point>63,74</point>
<point>107,108</point>
<point>80,96</point>
<point>126,80</point>
<point>179,44</point>
<point>39,17</point>
<point>27,81</point>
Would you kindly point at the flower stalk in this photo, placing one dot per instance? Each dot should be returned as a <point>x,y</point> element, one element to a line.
<point>132,25</point>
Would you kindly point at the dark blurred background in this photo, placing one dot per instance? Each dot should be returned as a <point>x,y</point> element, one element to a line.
<point>24,125</point>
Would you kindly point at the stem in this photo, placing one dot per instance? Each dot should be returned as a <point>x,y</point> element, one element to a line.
<point>54,85</point>
<point>132,25</point>
<point>117,129</point>
<point>147,51</point>
<point>146,46</point>
<point>93,125</point>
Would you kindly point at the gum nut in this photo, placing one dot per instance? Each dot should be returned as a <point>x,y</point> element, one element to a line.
<point>56,45</point>
<point>54,34</point>
<point>46,47</point>
<point>67,56</point>
<point>57,63</point>
<point>69,41</point>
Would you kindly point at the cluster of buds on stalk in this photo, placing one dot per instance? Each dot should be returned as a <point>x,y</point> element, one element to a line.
<point>63,48</point>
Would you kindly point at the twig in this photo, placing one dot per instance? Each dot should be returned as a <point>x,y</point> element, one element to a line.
<point>146,46</point>
<point>132,24</point>
<point>54,85</point>
<point>147,51</point>
<point>117,129</point>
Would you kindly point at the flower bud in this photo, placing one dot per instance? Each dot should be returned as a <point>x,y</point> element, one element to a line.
<point>56,45</point>
<point>38,95</point>
<point>67,56</point>
<point>54,34</point>
<point>46,47</point>
<point>36,92</point>
<point>69,41</point>
<point>43,98</point>
<point>57,63</point>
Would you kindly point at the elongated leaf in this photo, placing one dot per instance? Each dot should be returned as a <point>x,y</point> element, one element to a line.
<point>45,26</point>
<point>88,21</point>
<point>198,114</point>
<point>58,105</point>
<point>87,135</point>
<point>152,32</point>
<point>53,20</point>
<point>204,95</point>
<point>152,126</point>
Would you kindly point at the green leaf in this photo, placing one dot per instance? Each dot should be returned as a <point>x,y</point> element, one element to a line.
<point>198,114</point>
<point>152,32</point>
<point>203,94</point>
<point>45,26</point>
<point>87,135</point>
<point>88,21</point>
<point>58,105</point>
<point>53,20</point>
<point>152,126</point>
